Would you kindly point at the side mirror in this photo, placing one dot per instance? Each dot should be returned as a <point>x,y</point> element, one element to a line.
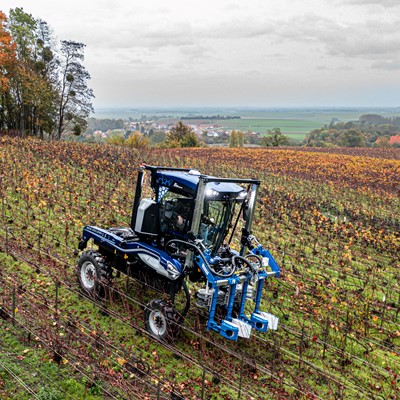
<point>245,239</point>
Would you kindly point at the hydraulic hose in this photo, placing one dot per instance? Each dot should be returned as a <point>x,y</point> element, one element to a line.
<point>201,254</point>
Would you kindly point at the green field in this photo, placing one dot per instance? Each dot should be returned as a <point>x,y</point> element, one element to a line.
<point>293,122</point>
<point>298,127</point>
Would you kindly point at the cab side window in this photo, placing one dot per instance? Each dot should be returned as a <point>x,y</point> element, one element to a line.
<point>175,212</point>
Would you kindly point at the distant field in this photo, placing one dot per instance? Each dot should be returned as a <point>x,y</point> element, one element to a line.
<point>295,123</point>
<point>296,136</point>
<point>262,125</point>
<point>309,114</point>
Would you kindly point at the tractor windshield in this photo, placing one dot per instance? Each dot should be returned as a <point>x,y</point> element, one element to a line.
<point>217,220</point>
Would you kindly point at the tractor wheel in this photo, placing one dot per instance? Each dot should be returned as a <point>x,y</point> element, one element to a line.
<point>161,319</point>
<point>93,274</point>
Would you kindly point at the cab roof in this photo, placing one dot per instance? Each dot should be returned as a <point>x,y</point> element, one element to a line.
<point>187,182</point>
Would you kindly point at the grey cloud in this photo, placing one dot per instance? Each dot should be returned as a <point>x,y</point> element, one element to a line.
<point>361,41</point>
<point>371,39</point>
<point>140,37</point>
<point>109,4</point>
<point>310,27</point>
<point>174,35</point>
<point>177,35</point>
<point>233,6</point>
<point>164,10</point>
<point>387,65</point>
<point>190,58</point>
<point>236,29</point>
<point>131,59</point>
<point>346,68</point>
<point>381,3</point>
<point>359,47</point>
<point>193,52</point>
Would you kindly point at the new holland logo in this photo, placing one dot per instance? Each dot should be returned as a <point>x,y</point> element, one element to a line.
<point>177,186</point>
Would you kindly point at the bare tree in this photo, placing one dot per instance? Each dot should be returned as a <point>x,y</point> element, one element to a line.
<point>75,96</point>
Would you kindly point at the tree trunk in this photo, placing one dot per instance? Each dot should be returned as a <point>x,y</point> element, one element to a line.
<point>59,130</point>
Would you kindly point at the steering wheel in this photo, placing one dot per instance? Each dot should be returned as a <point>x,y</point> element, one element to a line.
<point>243,265</point>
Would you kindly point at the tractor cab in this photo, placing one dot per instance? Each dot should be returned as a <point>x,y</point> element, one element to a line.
<point>185,201</point>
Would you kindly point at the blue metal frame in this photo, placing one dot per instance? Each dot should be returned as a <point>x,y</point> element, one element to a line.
<point>114,242</point>
<point>256,320</point>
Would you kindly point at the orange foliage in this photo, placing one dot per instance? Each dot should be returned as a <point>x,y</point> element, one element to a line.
<point>7,53</point>
<point>363,172</point>
<point>394,139</point>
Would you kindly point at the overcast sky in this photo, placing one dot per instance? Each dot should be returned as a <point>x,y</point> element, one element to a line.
<point>268,53</point>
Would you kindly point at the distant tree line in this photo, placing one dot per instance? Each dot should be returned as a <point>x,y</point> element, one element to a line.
<point>43,86</point>
<point>273,137</point>
<point>201,117</point>
<point>369,131</point>
<point>104,125</point>
<point>376,119</point>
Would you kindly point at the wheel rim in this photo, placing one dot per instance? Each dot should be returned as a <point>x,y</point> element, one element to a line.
<point>88,273</point>
<point>157,322</point>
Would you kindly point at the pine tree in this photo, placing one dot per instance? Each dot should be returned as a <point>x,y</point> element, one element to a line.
<point>75,96</point>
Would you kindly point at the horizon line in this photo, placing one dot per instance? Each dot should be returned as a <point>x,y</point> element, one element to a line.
<point>169,107</point>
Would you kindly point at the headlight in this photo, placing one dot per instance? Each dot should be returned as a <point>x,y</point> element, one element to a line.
<point>211,193</point>
<point>242,195</point>
<point>172,271</point>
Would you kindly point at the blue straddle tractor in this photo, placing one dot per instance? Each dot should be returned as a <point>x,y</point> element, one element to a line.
<point>196,228</point>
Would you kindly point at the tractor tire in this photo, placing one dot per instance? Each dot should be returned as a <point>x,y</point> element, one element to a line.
<point>93,274</point>
<point>161,320</point>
